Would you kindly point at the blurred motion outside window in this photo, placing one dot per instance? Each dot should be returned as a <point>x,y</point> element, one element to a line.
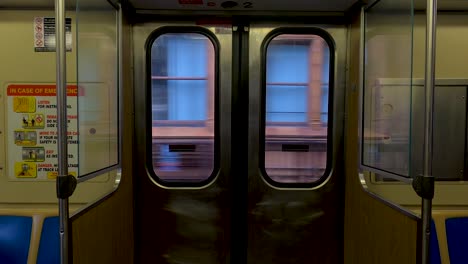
<point>182,93</point>
<point>296,109</point>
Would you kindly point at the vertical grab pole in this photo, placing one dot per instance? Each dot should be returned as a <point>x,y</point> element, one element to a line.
<point>427,180</point>
<point>62,146</point>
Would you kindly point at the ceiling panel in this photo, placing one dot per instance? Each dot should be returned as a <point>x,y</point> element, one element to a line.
<point>442,5</point>
<point>247,5</point>
<point>50,4</point>
<point>254,5</point>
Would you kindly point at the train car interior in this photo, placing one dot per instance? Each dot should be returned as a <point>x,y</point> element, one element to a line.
<point>233,131</point>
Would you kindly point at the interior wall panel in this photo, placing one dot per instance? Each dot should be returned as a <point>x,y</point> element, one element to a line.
<point>374,231</point>
<point>104,233</point>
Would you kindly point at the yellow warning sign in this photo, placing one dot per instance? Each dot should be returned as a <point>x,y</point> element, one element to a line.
<point>53,174</point>
<point>25,170</point>
<point>24,104</point>
<point>25,138</point>
<point>33,121</point>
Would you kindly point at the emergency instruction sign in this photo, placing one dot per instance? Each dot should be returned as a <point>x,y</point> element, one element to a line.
<point>44,34</point>
<point>32,131</point>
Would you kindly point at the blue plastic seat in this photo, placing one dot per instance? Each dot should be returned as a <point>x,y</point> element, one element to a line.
<point>15,238</point>
<point>49,247</point>
<point>434,250</point>
<point>457,239</point>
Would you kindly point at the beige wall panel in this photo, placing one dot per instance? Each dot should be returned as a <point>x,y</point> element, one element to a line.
<point>19,63</point>
<point>104,233</point>
<point>451,63</point>
<point>101,234</point>
<point>452,40</point>
<point>374,231</point>
<point>451,55</point>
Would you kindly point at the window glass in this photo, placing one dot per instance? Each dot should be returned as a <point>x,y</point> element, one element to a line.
<point>182,96</point>
<point>287,83</point>
<point>389,110</point>
<point>296,108</point>
<point>97,141</point>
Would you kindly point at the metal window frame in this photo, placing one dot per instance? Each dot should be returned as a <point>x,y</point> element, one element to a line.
<point>149,157</point>
<point>117,166</point>
<point>331,82</point>
<point>362,166</point>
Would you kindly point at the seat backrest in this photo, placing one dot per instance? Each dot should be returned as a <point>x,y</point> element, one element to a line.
<point>15,238</point>
<point>49,245</point>
<point>434,246</point>
<point>457,239</point>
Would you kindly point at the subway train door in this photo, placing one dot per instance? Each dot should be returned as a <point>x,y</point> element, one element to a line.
<point>238,137</point>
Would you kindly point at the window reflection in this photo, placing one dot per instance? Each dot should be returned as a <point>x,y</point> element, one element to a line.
<point>296,109</point>
<point>182,78</point>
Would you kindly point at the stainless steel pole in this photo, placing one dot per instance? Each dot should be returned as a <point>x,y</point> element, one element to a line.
<point>62,146</point>
<point>426,209</point>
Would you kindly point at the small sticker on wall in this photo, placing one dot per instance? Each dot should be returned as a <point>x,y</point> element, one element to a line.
<point>44,34</point>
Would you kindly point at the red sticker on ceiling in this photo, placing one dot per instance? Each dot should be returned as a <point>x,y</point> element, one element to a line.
<point>190,2</point>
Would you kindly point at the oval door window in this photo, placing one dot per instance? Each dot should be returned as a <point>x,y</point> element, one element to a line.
<point>182,107</point>
<point>297,108</point>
